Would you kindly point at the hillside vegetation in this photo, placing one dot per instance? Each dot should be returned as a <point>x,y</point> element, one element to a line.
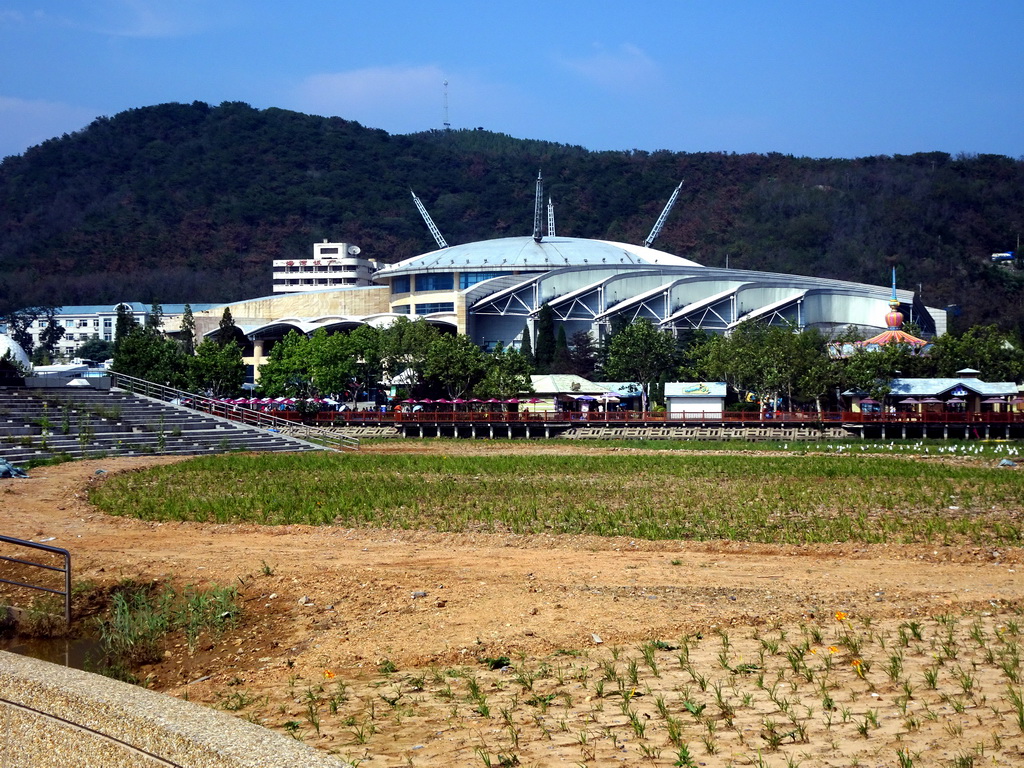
<point>190,202</point>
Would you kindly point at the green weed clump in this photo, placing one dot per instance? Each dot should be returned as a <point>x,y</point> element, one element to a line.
<point>140,619</point>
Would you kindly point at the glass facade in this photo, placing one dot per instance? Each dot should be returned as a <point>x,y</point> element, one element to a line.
<point>437,306</point>
<point>466,279</point>
<point>401,284</point>
<point>444,281</point>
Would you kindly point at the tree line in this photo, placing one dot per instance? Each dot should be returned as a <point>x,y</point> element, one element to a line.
<point>761,363</point>
<point>213,366</point>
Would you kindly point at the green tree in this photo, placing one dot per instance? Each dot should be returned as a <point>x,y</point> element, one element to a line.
<point>763,360</point>
<point>123,325</point>
<point>19,324</point>
<point>226,329</point>
<point>508,375</point>
<point>403,348</point>
<point>49,338</point>
<point>288,370</point>
<point>817,374</point>
<point>155,318</point>
<point>526,348</point>
<point>332,363</point>
<point>985,348</point>
<point>641,353</point>
<point>544,350</point>
<point>873,370</point>
<point>146,354</point>
<point>582,354</point>
<point>96,349</point>
<point>455,363</point>
<point>187,337</point>
<point>562,360</point>
<point>365,345</point>
<point>217,369</point>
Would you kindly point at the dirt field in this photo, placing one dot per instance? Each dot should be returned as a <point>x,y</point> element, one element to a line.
<point>374,645</point>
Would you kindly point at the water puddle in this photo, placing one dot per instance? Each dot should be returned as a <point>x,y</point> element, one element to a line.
<point>74,652</point>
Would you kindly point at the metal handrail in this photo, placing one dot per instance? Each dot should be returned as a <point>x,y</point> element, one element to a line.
<point>224,410</point>
<point>66,570</point>
<point>354,418</point>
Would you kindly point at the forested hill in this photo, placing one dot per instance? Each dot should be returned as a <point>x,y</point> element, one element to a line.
<point>188,202</point>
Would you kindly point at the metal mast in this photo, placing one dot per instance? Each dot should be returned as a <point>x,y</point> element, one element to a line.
<point>430,222</point>
<point>551,218</point>
<point>538,210</point>
<point>447,125</point>
<point>661,219</point>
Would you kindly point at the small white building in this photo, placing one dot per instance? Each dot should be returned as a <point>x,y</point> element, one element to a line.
<point>695,398</point>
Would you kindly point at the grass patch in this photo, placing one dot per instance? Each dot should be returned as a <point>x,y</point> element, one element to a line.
<point>141,617</point>
<point>755,496</point>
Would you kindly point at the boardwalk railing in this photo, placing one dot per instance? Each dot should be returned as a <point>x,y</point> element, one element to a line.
<point>313,432</point>
<point>342,418</point>
<point>66,570</point>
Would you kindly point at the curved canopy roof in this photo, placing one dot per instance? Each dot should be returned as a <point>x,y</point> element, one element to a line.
<point>525,254</point>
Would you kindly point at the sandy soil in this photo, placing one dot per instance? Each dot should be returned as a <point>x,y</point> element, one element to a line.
<point>372,644</point>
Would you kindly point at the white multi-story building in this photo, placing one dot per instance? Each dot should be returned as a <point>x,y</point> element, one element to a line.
<point>83,323</point>
<point>334,265</point>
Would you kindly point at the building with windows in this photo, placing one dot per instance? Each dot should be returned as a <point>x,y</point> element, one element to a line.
<point>83,323</point>
<point>492,291</point>
<point>333,265</point>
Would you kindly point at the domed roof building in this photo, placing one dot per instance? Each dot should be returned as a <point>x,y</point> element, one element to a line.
<point>492,291</point>
<point>9,346</point>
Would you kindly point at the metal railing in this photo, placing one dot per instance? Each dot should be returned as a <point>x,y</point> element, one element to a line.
<point>66,570</point>
<point>231,412</point>
<point>351,418</point>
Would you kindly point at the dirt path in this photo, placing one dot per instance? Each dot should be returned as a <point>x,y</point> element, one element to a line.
<point>346,600</point>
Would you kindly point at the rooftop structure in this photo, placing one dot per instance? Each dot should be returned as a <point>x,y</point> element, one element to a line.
<point>333,265</point>
<point>893,334</point>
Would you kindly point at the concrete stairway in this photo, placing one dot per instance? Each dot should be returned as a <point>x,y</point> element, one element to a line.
<point>81,422</point>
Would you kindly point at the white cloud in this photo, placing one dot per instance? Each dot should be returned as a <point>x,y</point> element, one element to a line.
<point>27,123</point>
<point>622,69</point>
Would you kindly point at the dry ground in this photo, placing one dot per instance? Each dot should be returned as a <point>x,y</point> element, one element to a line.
<point>774,678</point>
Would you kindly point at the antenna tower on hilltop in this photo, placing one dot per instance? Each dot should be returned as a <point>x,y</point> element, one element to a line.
<point>447,125</point>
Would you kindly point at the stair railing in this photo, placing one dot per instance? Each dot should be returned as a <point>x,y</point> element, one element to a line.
<point>248,416</point>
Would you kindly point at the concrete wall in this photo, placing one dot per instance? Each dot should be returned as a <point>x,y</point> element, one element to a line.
<point>55,717</point>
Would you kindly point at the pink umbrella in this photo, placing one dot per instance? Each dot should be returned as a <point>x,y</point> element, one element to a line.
<point>477,400</point>
<point>442,401</point>
<point>512,401</point>
<point>493,400</point>
<point>426,400</point>
<point>410,401</point>
<point>460,401</point>
<point>534,400</point>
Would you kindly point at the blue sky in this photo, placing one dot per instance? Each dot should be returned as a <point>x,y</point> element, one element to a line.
<point>815,78</point>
